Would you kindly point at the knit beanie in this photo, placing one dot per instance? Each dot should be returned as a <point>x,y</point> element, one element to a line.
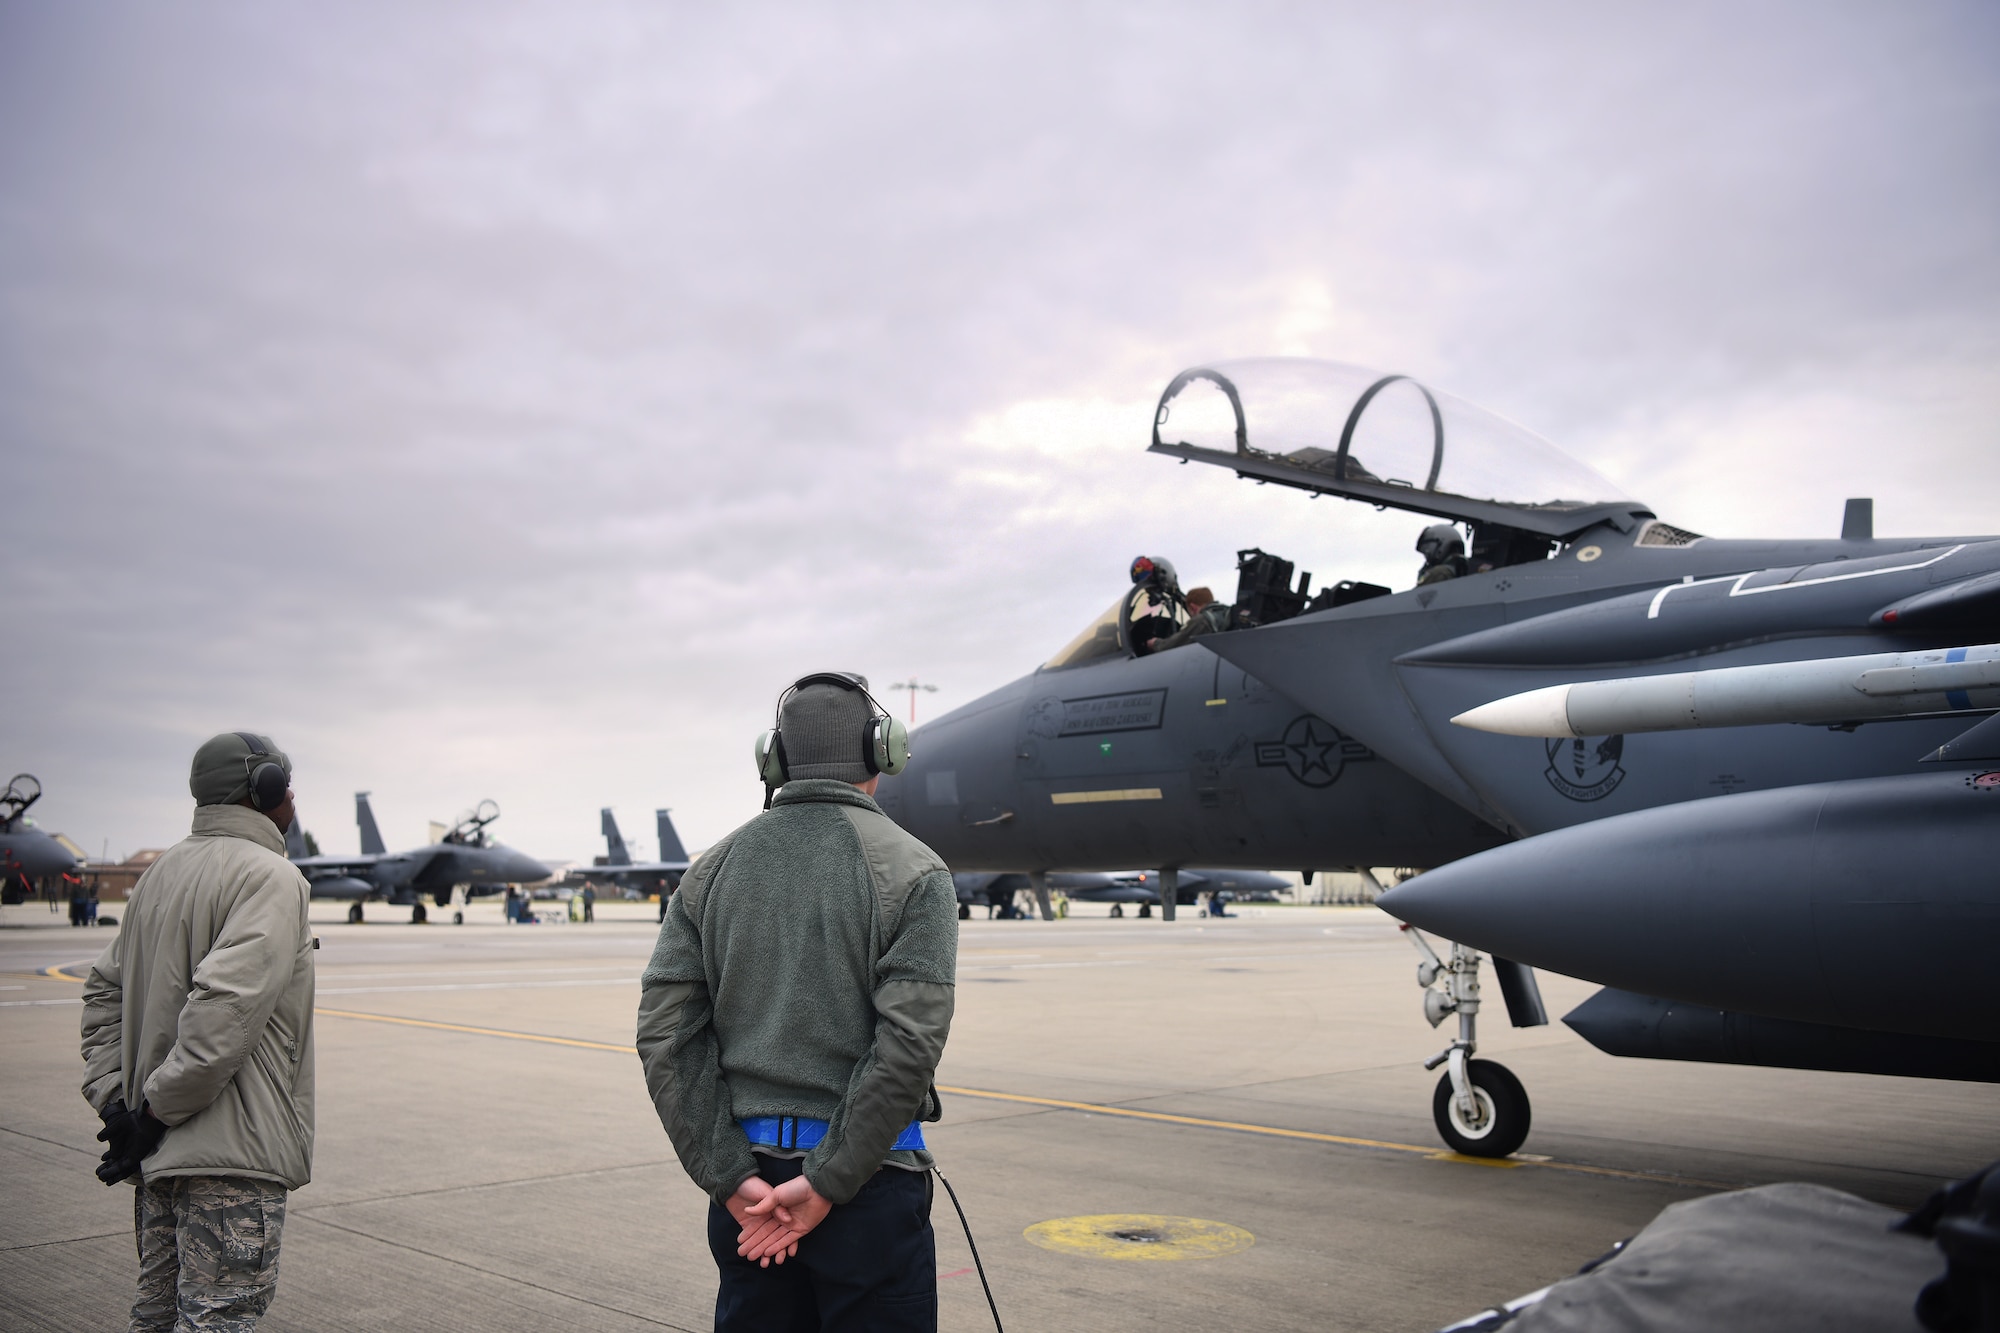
<point>220,775</point>
<point>825,731</point>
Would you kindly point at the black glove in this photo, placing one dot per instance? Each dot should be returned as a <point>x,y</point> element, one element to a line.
<point>133,1135</point>
<point>117,1132</point>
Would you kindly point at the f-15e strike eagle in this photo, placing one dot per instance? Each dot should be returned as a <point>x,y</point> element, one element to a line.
<point>647,877</point>
<point>29,858</point>
<point>466,859</point>
<point>1315,731</point>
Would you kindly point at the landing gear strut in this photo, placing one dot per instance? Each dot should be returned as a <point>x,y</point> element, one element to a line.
<point>1480,1108</point>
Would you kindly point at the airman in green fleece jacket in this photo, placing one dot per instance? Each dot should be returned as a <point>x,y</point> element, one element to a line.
<point>805,972</point>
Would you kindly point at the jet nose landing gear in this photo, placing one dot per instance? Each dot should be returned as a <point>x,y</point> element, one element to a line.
<point>1480,1108</point>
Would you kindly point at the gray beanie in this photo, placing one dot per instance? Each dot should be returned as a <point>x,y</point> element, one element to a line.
<point>825,730</point>
<point>220,774</point>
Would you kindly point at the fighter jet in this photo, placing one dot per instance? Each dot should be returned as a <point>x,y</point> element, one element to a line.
<point>1566,582</point>
<point>466,859</point>
<point>29,858</point>
<point>1558,577</point>
<point>648,877</point>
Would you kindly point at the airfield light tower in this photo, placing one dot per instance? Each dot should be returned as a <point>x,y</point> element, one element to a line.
<point>913,685</point>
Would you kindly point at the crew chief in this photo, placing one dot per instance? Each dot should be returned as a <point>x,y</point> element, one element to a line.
<point>197,1047</point>
<point>790,1024</point>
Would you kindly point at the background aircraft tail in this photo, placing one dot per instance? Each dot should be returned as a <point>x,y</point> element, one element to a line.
<point>364,819</point>
<point>670,841</point>
<point>295,840</point>
<point>614,842</point>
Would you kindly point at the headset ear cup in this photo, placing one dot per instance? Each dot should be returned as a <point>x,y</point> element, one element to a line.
<point>268,785</point>
<point>770,751</point>
<point>890,748</point>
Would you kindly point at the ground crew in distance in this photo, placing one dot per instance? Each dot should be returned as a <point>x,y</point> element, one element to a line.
<point>790,1024</point>
<point>197,1047</point>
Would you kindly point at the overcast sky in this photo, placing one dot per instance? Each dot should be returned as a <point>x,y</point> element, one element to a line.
<point>507,400</point>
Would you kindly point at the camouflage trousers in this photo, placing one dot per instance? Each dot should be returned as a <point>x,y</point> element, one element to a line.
<point>208,1252</point>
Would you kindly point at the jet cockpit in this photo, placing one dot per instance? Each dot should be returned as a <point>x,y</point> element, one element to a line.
<point>21,793</point>
<point>470,829</point>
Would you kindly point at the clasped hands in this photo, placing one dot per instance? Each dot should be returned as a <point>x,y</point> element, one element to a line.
<point>133,1135</point>
<point>774,1218</point>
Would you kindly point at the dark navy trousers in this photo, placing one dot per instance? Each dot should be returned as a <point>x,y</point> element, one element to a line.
<point>872,1265</point>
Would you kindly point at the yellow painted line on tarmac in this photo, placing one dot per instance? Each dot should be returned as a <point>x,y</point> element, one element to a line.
<point>478,1032</point>
<point>1098,1108</point>
<point>61,975</point>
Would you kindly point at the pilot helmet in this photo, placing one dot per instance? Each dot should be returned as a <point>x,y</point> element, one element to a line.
<point>1154,572</point>
<point>1438,541</point>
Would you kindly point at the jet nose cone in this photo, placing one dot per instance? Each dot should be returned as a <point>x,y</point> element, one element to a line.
<point>1483,901</point>
<point>523,869</point>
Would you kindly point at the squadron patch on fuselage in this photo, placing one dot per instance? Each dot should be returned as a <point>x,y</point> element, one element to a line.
<point>1588,768</point>
<point>1313,751</point>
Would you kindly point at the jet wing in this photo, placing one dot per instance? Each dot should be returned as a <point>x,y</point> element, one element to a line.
<point>630,868</point>
<point>315,866</point>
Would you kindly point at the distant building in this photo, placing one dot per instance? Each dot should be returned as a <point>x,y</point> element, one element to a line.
<point>116,878</point>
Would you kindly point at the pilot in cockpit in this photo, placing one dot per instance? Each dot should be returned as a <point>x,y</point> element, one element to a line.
<point>1205,616</point>
<point>1443,551</point>
<point>1157,592</point>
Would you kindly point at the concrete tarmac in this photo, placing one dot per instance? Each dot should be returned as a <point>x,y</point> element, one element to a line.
<point>488,1159</point>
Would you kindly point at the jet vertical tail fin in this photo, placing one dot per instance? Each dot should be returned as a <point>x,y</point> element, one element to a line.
<point>614,842</point>
<point>670,841</point>
<point>364,819</point>
<point>295,839</point>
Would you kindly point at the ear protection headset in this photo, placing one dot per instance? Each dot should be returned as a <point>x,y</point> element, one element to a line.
<point>885,745</point>
<point>268,781</point>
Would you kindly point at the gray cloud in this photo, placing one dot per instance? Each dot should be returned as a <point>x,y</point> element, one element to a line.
<point>508,400</point>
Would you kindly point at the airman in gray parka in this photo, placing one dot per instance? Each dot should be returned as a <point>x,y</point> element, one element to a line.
<point>197,1047</point>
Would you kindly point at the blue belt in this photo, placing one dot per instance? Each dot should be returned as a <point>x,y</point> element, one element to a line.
<point>798,1131</point>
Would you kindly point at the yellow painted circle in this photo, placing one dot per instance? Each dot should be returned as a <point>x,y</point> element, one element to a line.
<point>1589,553</point>
<point>1140,1236</point>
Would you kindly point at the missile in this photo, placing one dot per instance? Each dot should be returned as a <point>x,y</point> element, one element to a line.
<point>1862,904</point>
<point>1836,689</point>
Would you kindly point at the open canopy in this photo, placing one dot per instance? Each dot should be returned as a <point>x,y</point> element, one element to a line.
<point>1384,439</point>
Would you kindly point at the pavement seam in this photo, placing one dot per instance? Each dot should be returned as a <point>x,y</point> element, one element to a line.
<point>71,1240</point>
<point>53,1143</point>
<point>490,1185</point>
<point>489,1272</point>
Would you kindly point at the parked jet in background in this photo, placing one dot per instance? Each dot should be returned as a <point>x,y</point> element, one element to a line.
<point>1131,745</point>
<point>30,859</point>
<point>647,877</point>
<point>466,858</point>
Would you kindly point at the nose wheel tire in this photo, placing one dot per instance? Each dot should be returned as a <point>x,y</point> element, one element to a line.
<point>354,915</point>
<point>1500,1124</point>
<point>458,918</point>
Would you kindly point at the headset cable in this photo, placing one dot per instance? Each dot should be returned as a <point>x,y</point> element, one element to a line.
<point>973,1246</point>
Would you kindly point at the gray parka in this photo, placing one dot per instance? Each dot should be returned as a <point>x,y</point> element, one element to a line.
<point>202,1007</point>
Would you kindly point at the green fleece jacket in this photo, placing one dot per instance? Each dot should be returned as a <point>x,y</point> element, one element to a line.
<point>806,967</point>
